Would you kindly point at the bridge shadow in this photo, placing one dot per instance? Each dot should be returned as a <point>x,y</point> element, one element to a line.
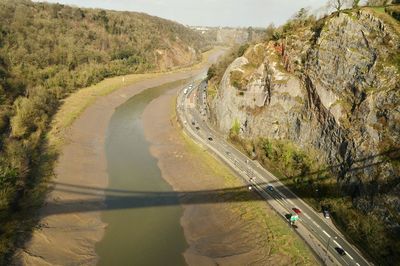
<point>79,198</point>
<point>372,185</point>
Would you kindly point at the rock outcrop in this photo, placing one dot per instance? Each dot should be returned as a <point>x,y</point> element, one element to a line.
<point>333,86</point>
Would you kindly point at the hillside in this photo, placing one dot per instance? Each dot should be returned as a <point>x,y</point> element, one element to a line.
<point>231,36</point>
<point>319,105</point>
<point>50,50</point>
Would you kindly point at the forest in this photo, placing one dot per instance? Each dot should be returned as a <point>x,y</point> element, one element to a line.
<point>48,51</point>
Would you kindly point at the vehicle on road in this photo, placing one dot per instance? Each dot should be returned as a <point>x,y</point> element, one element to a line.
<point>185,91</point>
<point>340,251</point>
<point>193,122</point>
<point>296,210</point>
<point>325,212</point>
<point>270,188</point>
<point>210,138</point>
<point>197,128</point>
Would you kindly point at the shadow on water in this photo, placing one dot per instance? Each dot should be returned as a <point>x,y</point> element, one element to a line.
<point>131,199</point>
<point>119,198</point>
<point>134,235</point>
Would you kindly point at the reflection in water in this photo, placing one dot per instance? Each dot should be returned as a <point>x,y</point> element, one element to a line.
<point>138,236</point>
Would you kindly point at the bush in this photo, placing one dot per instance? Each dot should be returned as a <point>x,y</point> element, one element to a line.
<point>235,129</point>
<point>46,52</point>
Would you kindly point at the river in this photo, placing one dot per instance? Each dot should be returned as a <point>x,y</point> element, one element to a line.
<point>139,230</point>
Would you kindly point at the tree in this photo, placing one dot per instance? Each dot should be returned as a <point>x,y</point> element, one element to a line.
<point>355,3</point>
<point>378,2</point>
<point>249,34</point>
<point>302,14</point>
<point>336,4</point>
<point>269,32</point>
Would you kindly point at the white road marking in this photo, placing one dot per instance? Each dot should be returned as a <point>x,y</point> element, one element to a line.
<point>337,244</point>
<point>317,225</point>
<point>238,163</point>
<point>348,255</point>
<point>326,233</point>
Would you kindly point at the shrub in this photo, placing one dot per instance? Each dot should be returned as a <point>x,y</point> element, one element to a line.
<point>235,129</point>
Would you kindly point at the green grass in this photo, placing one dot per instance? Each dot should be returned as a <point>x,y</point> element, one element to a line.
<point>370,233</point>
<point>379,9</point>
<point>16,226</point>
<point>280,238</point>
<point>77,102</point>
<point>388,19</point>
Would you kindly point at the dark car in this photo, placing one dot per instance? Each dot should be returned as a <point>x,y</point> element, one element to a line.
<point>325,212</point>
<point>340,251</point>
<point>270,188</point>
<point>210,138</point>
<point>197,128</point>
<point>296,210</point>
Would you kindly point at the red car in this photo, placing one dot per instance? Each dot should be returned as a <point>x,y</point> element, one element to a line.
<point>297,211</point>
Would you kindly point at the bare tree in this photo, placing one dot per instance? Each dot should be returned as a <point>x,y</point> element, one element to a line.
<point>336,4</point>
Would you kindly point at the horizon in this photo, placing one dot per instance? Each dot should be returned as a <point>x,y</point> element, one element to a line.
<point>219,13</point>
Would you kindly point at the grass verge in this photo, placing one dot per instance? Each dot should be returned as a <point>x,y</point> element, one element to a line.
<point>77,102</point>
<point>19,225</point>
<point>265,225</point>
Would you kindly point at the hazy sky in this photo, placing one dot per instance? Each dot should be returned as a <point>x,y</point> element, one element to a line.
<point>208,12</point>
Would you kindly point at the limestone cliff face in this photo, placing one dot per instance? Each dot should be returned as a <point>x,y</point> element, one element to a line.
<point>178,54</point>
<point>335,88</point>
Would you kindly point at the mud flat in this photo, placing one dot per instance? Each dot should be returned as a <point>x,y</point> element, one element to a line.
<point>224,224</point>
<point>70,223</point>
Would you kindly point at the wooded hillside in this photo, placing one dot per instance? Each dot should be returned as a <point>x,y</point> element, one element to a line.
<point>50,50</point>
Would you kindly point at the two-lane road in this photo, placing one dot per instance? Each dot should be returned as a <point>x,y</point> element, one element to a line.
<point>193,110</point>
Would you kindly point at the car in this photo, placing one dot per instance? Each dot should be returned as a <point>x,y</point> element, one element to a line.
<point>296,210</point>
<point>210,138</point>
<point>270,188</point>
<point>326,214</point>
<point>193,122</point>
<point>340,251</point>
<point>197,128</point>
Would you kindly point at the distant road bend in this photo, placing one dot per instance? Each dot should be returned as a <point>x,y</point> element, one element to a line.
<point>320,234</point>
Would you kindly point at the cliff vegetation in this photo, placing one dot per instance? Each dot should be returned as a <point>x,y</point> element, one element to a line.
<point>318,103</point>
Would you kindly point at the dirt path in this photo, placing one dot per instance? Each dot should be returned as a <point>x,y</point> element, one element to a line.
<point>230,226</point>
<point>66,237</point>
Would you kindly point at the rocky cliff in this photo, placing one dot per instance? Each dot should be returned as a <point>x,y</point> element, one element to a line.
<point>334,86</point>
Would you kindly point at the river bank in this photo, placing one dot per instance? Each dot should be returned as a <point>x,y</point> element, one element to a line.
<point>65,235</point>
<point>224,224</point>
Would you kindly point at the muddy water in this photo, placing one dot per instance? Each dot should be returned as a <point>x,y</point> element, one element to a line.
<point>142,212</point>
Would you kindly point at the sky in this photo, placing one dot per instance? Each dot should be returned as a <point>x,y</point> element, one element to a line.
<point>233,13</point>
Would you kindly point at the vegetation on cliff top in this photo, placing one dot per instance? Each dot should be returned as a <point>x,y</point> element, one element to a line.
<point>50,50</point>
<point>363,219</point>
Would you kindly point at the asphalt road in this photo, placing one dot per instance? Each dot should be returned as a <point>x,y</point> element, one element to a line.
<point>193,111</point>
